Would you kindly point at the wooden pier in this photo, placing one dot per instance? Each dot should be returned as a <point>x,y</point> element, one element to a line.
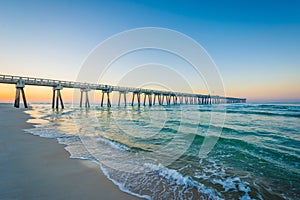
<point>162,97</point>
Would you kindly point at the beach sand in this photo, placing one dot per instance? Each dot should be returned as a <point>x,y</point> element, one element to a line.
<point>32,167</point>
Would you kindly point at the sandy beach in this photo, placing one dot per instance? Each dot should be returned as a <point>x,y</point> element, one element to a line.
<point>32,167</point>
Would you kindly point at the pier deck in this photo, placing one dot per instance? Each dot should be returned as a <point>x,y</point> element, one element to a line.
<point>162,96</point>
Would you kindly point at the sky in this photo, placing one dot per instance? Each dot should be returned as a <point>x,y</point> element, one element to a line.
<point>254,44</point>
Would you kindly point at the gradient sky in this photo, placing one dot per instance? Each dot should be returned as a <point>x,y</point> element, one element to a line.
<point>255,44</point>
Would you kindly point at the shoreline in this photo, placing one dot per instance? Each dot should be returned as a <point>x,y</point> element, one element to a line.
<point>32,167</point>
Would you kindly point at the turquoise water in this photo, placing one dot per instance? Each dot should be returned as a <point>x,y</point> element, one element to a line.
<point>153,152</point>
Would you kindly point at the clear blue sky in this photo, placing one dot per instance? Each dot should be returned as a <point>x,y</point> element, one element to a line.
<point>255,44</point>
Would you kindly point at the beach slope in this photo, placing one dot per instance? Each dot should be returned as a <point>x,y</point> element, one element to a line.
<point>32,167</point>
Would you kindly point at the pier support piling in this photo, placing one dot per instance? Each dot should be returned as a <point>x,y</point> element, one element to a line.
<point>138,95</point>
<point>168,97</point>
<point>124,96</point>
<point>174,97</point>
<point>154,99</point>
<point>162,99</point>
<point>186,100</point>
<point>149,99</point>
<point>20,89</point>
<point>87,101</point>
<point>81,97</point>
<point>181,99</point>
<point>57,95</point>
<point>158,97</point>
<point>108,98</point>
<point>132,102</point>
<point>145,99</point>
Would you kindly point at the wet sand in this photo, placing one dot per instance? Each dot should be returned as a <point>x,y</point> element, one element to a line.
<point>32,167</point>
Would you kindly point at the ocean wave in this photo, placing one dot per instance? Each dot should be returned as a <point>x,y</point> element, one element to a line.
<point>114,144</point>
<point>43,132</point>
<point>176,178</point>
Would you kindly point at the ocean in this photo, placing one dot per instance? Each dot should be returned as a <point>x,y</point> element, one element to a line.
<point>233,151</point>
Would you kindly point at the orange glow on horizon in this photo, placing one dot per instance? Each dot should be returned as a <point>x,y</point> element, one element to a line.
<point>44,94</point>
<point>287,91</point>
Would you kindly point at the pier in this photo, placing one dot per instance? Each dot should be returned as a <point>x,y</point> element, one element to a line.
<point>151,97</point>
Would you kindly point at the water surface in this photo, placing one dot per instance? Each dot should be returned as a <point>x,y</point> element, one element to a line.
<point>153,152</point>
